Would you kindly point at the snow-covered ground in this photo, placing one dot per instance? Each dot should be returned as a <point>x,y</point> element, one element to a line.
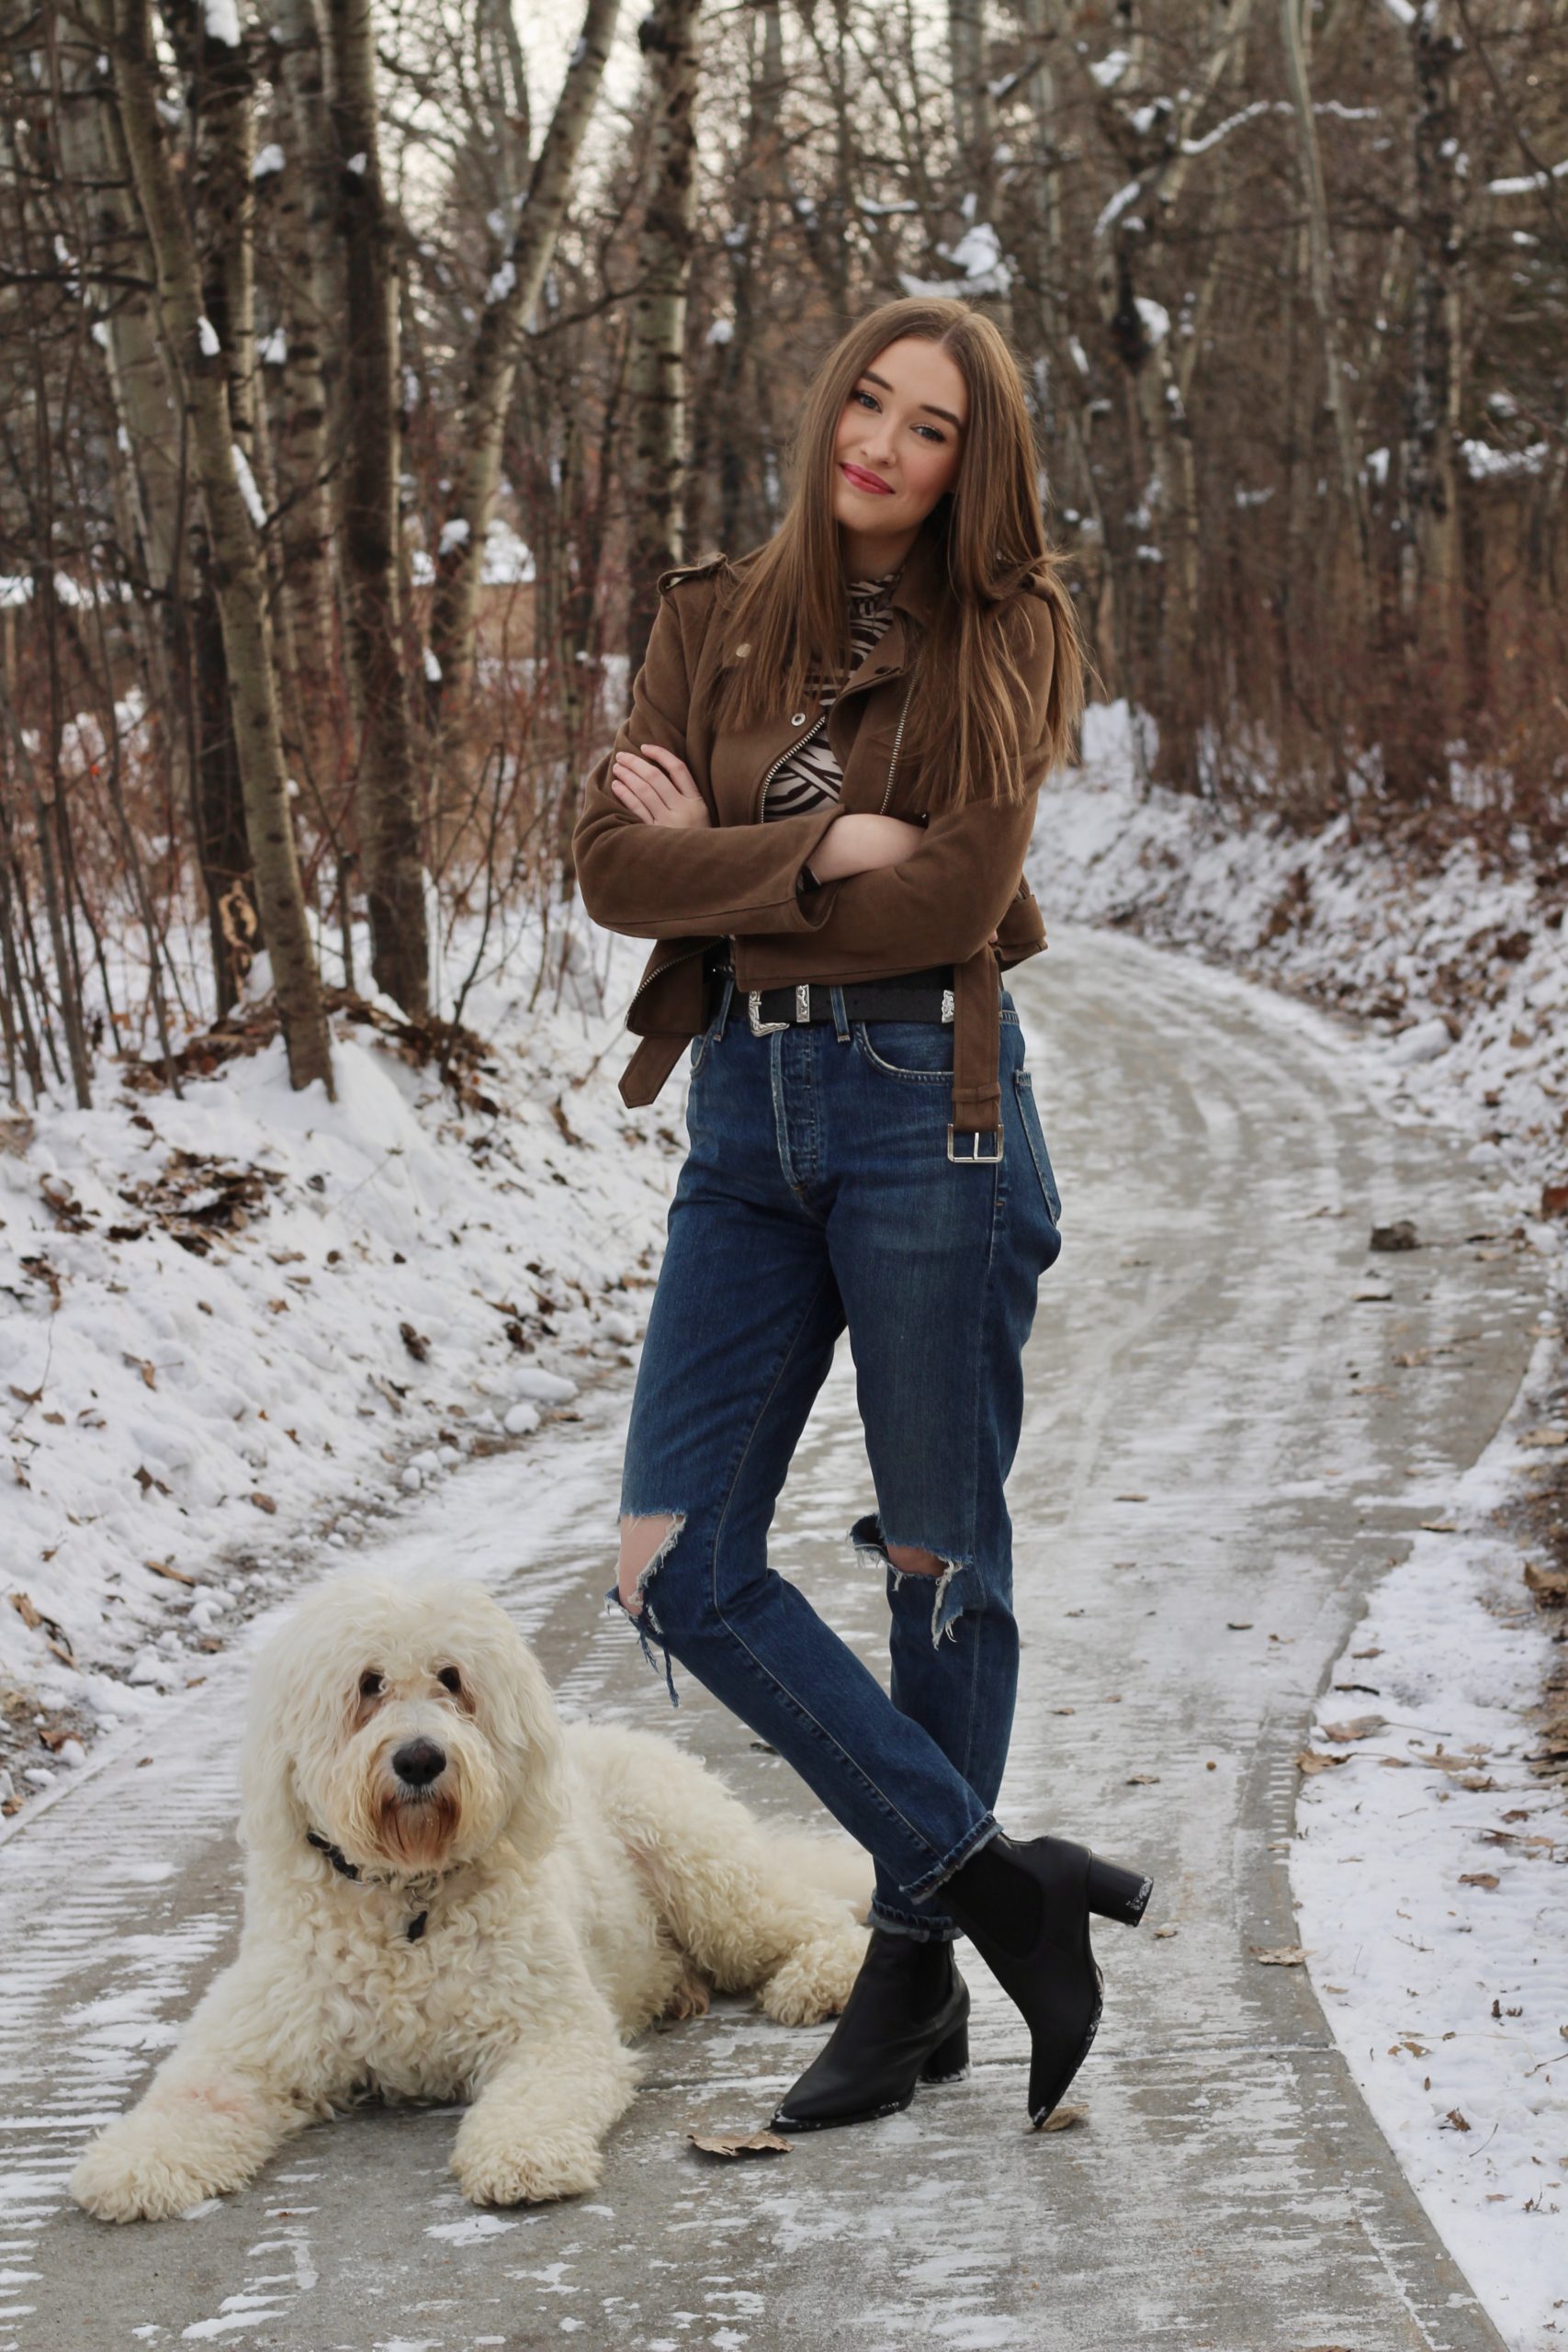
<point>1425,1865</point>
<point>242,1324</point>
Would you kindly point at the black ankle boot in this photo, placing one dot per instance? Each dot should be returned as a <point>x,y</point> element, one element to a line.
<point>905,2023</point>
<point>1026,1909</point>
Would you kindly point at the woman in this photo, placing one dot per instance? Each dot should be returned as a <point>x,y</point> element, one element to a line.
<point>818,808</point>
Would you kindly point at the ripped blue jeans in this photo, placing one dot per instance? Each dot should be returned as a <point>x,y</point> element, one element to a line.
<point>818,1194</point>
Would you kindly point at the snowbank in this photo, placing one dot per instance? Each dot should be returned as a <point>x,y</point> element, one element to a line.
<point>244,1324</point>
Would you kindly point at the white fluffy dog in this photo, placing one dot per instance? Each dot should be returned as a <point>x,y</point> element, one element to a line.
<point>451,1894</point>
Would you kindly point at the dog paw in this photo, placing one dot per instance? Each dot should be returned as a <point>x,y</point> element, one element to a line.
<point>123,2176</point>
<point>499,2173</point>
<point>815,1981</point>
<point>690,1997</point>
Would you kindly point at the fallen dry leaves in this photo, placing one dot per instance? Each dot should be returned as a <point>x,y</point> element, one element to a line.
<point>1281,1956</point>
<point>1063,2118</point>
<point>740,2144</point>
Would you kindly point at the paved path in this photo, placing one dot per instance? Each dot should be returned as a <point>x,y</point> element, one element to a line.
<point>1220,1454</point>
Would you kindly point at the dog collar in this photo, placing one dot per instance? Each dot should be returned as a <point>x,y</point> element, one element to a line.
<point>345,1868</point>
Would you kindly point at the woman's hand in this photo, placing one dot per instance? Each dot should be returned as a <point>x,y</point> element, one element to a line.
<point>658,788</point>
<point>860,844</point>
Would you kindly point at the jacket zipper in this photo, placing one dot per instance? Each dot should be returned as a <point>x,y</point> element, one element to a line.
<point>788,752</point>
<point>893,762</point>
<point>701,948</point>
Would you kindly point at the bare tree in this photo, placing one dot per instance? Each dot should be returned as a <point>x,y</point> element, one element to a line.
<point>195,362</point>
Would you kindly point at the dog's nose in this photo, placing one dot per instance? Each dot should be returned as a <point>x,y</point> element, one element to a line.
<point>419,1762</point>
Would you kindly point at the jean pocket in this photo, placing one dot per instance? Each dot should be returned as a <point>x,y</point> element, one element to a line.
<point>701,1044</point>
<point>1029,1115</point>
<point>921,1050</point>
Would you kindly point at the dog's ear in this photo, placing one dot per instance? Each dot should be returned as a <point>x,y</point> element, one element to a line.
<point>525,1730</point>
<point>279,1726</point>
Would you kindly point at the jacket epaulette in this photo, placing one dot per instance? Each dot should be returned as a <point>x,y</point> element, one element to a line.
<point>667,580</point>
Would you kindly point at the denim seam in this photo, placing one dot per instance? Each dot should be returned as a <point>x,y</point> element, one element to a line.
<point>892,1069</point>
<point>762,1672</point>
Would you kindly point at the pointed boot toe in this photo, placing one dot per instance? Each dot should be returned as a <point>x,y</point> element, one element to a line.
<point>1026,1909</point>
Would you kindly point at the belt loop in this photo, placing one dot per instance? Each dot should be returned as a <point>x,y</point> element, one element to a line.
<point>841,1018</point>
<point>726,998</point>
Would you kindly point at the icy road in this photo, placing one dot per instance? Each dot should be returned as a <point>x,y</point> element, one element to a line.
<point>1220,1456</point>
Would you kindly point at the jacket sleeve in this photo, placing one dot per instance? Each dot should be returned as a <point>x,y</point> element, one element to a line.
<point>943,904</point>
<point>664,881</point>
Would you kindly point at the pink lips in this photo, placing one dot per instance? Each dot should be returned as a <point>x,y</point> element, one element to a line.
<point>861,480</point>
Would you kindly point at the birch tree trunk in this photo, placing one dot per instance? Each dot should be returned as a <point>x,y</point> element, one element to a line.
<point>388,787</point>
<point>303,199</point>
<point>198,368</point>
<point>1429,564</point>
<point>488,390</point>
<point>1320,276</point>
<point>656,358</point>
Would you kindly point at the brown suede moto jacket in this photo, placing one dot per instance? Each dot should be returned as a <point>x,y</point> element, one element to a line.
<point>739,879</point>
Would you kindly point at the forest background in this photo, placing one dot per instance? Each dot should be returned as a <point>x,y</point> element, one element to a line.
<point>361,366</point>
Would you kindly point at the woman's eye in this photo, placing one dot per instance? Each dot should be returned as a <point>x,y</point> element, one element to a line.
<point>935,431</point>
<point>371,1683</point>
<point>450,1680</point>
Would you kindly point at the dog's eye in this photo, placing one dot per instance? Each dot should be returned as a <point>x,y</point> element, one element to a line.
<point>371,1683</point>
<point>450,1680</point>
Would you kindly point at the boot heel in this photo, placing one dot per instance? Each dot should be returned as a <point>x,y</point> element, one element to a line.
<point>1116,1893</point>
<point>950,2059</point>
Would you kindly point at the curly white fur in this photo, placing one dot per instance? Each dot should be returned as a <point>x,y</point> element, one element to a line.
<point>579,1881</point>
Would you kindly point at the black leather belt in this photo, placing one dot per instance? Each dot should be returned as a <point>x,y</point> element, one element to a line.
<point>903,996</point>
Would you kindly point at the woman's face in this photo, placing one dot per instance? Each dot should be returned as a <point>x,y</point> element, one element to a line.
<point>899,438</point>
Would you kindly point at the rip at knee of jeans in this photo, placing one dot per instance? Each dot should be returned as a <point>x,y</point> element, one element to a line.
<point>673,1521</point>
<point>947,1582</point>
<point>637,1607</point>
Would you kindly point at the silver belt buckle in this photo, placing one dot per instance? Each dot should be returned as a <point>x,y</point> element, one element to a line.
<point>761,1028</point>
<point>975,1157</point>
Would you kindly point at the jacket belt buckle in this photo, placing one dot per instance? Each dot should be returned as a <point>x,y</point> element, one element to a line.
<point>761,1028</point>
<point>975,1157</point>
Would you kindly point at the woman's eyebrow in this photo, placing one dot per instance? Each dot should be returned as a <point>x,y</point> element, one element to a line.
<point>867,376</point>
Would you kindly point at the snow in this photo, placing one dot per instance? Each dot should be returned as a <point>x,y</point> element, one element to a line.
<point>503,284</point>
<point>1529,183</point>
<point>248,490</point>
<point>1156,318</point>
<point>1447,1992</point>
<point>508,563</point>
<point>269,159</point>
<point>454,534</point>
<point>1112,212</point>
<point>1484,463</point>
<point>270,1306</point>
<point>272,349</point>
<point>1427,1873</point>
<point>222,21</point>
<point>206,336</point>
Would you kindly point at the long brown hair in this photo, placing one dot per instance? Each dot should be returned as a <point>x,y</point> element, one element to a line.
<point>789,613</point>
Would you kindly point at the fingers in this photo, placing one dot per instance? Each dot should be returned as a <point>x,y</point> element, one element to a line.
<point>650,790</point>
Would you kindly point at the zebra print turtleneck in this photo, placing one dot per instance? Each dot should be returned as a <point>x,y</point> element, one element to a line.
<point>810,777</point>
